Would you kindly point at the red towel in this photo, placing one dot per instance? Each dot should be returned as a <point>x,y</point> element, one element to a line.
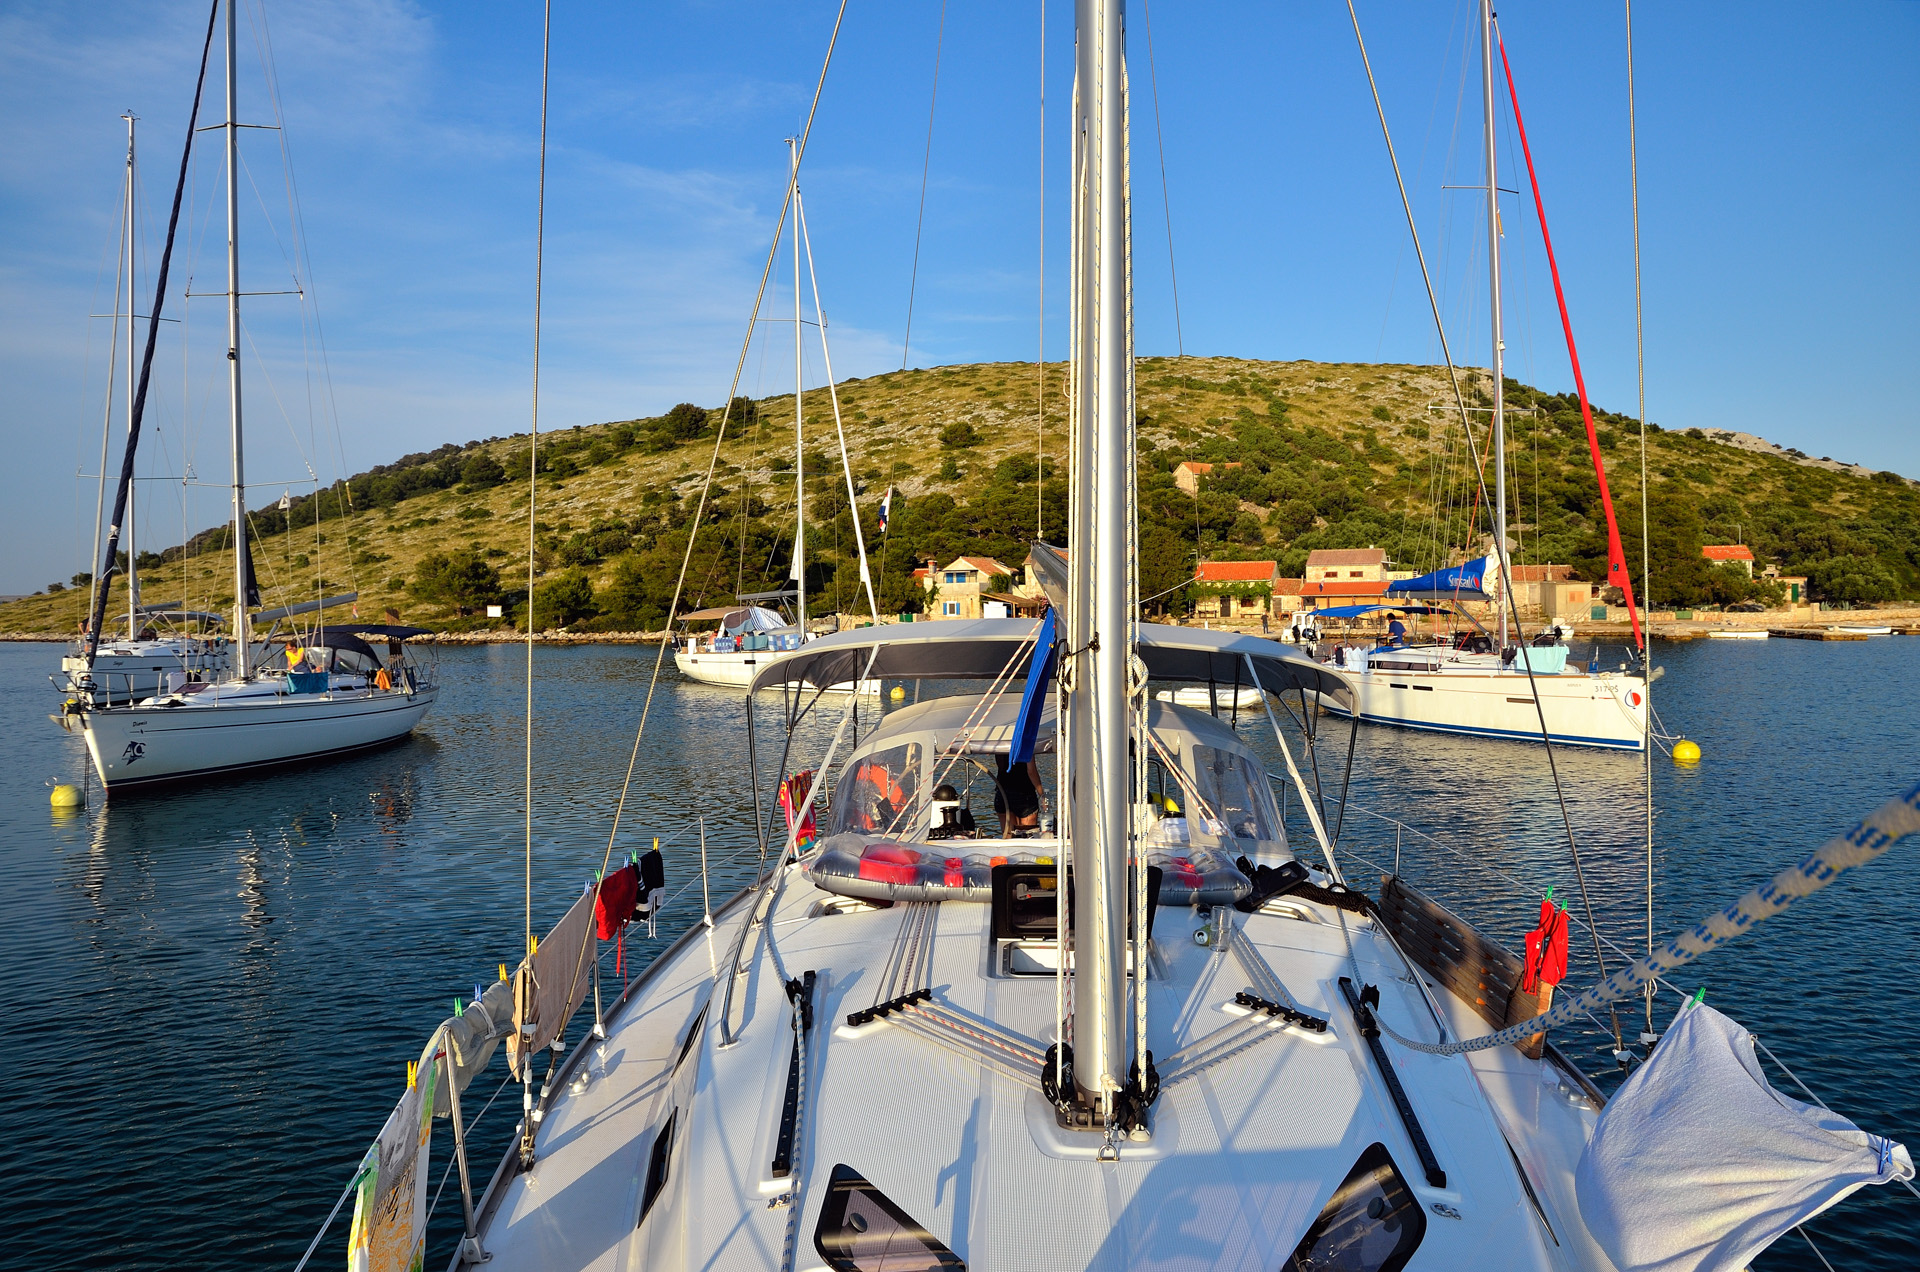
<point>619,892</point>
<point>1546,949</point>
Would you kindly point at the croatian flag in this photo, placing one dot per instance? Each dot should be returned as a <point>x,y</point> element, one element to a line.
<point>886,508</point>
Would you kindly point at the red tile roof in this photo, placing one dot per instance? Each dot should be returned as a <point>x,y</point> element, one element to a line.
<point>1288,587</point>
<point>1236,571</point>
<point>1727,552</point>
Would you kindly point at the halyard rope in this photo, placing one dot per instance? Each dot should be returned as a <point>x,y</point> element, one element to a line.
<point>1870,838</point>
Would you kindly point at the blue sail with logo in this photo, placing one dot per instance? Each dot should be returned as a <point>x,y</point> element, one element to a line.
<point>1464,582</point>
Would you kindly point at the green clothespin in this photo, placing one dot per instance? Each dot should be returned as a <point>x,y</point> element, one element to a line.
<point>1549,893</point>
<point>457,1008</point>
<point>1698,995</point>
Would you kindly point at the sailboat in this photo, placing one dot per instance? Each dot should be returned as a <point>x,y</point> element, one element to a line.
<point>749,635</point>
<point>332,691</point>
<point>1494,684</point>
<point>159,648</point>
<point>1160,1036</point>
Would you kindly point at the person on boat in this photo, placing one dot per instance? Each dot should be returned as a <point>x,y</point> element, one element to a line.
<point>1017,796</point>
<point>1397,634</point>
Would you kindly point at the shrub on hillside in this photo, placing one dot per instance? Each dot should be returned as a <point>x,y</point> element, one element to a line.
<point>960,436</point>
<point>482,471</point>
<point>461,579</point>
<point>564,600</point>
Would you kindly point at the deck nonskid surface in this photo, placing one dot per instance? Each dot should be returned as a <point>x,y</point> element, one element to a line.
<point>1243,1154</point>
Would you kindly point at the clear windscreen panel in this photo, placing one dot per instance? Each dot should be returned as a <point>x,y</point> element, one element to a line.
<point>877,797</point>
<point>1237,802</point>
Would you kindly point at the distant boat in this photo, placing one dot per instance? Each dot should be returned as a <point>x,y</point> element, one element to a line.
<point>1738,633</point>
<point>1862,629</point>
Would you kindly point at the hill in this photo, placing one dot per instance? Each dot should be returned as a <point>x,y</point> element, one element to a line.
<point>1328,455</point>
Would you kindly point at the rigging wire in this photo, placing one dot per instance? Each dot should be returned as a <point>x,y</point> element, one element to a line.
<point>1166,204</point>
<point>1646,558</point>
<point>926,166</point>
<point>533,461</point>
<point>706,488</point>
<point>1040,354</point>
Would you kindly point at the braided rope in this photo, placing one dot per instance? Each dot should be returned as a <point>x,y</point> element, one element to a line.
<point>1869,839</point>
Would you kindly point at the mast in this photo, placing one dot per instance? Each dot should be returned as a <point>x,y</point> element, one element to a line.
<point>1100,608</point>
<point>799,438</point>
<point>233,361</point>
<point>98,578</point>
<point>1499,343</point>
<point>133,490</point>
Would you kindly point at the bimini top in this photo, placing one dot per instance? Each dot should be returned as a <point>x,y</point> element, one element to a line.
<point>981,648</point>
<point>1464,582</point>
<point>735,619</point>
<point>1355,611</point>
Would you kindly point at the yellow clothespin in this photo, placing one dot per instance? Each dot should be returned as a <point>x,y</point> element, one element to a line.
<point>413,1071</point>
<point>503,971</point>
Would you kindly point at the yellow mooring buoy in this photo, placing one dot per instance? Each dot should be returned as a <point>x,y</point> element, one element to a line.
<point>899,692</point>
<point>65,796</point>
<point>1685,752</point>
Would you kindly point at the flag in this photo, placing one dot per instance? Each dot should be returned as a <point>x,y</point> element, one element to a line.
<point>886,509</point>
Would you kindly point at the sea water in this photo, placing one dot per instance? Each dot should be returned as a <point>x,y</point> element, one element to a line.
<point>215,990</point>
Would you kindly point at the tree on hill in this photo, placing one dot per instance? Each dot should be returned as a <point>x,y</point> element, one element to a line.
<point>461,579</point>
<point>482,471</point>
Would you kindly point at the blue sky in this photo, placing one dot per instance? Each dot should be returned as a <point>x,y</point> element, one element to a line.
<point>1779,173</point>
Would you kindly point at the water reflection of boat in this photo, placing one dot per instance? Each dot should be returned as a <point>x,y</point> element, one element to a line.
<point>1738,633</point>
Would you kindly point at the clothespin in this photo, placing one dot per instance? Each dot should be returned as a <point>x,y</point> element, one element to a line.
<point>1700,994</point>
<point>503,971</point>
<point>458,1007</point>
<point>413,1071</point>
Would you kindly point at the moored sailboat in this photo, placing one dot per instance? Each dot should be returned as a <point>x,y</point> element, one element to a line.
<point>331,694</point>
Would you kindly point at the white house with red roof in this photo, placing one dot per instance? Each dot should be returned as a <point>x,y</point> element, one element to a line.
<point>957,587</point>
<point>1730,554</point>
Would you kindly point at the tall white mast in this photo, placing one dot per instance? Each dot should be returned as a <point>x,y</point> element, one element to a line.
<point>799,438</point>
<point>233,360</point>
<point>1100,602</point>
<point>1499,343</point>
<point>133,488</point>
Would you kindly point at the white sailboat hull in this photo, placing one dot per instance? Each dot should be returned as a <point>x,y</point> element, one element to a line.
<point>141,745</point>
<point>1607,710</point>
<point>735,668</point>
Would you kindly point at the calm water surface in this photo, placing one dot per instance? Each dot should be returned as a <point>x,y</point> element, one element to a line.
<point>216,990</point>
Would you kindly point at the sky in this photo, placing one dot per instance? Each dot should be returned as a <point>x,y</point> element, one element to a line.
<point>1779,180</point>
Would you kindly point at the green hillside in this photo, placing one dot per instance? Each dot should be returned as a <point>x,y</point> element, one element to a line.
<point>1329,455</point>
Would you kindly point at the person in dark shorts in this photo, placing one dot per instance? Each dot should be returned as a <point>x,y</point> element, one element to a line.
<point>1017,796</point>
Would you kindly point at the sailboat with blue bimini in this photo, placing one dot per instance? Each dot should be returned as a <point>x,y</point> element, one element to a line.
<point>1498,684</point>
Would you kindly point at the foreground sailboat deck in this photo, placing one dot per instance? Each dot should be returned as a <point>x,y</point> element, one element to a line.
<point>1243,1153</point>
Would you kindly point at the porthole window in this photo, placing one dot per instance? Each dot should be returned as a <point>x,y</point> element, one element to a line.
<point>1372,1223</point>
<point>860,1230</point>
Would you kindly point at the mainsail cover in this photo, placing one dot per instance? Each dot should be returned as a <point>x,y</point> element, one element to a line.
<point>1698,1164</point>
<point>1475,580</point>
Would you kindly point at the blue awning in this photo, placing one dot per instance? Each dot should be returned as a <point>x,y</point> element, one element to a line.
<point>1464,582</point>
<point>1355,611</point>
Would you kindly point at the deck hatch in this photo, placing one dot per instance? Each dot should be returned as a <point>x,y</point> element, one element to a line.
<point>861,1230</point>
<point>1372,1223</point>
<point>657,1167</point>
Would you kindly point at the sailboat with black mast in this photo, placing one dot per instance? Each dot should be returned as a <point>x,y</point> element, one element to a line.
<point>334,692</point>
